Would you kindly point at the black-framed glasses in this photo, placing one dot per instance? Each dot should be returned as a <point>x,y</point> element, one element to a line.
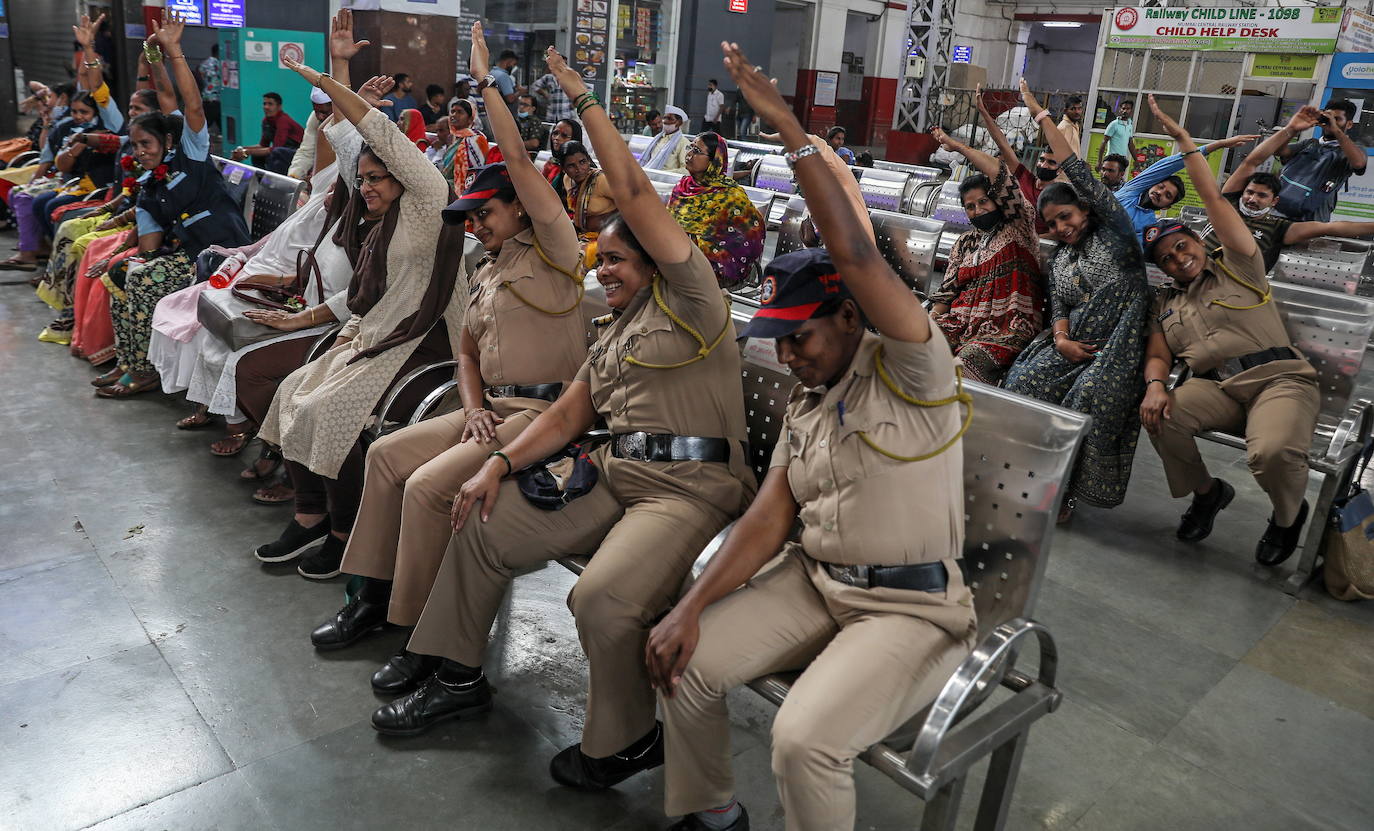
<point>692,150</point>
<point>371,181</point>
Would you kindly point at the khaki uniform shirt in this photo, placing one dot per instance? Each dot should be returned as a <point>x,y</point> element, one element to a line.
<point>516,343</point>
<point>1203,334</point>
<point>704,398</point>
<point>858,507</point>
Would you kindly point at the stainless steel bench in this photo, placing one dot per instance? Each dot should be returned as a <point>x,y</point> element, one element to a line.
<point>266,198</point>
<point>1330,263</point>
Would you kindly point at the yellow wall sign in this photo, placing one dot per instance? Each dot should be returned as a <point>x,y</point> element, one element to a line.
<point>1283,66</point>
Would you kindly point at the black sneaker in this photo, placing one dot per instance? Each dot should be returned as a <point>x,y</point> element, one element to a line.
<point>435,701</point>
<point>575,769</point>
<point>692,823</point>
<point>1196,523</point>
<point>1278,544</point>
<point>292,542</point>
<point>323,563</point>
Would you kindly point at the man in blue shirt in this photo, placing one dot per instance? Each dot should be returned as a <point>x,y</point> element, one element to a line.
<point>400,97</point>
<point>1158,187</point>
<point>505,83</point>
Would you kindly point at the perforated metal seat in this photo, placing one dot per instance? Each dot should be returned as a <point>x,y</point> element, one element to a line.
<point>265,198</point>
<point>772,173</point>
<point>949,209</point>
<point>884,190</point>
<point>1330,263</point>
<point>910,245</point>
<point>1332,330</point>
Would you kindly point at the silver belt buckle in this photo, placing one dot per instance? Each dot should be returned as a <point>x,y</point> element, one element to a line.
<point>499,392</point>
<point>633,446</point>
<point>850,575</point>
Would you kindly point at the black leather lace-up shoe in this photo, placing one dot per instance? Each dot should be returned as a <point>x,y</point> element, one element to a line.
<point>1278,544</point>
<point>576,769</point>
<point>434,702</point>
<point>403,672</point>
<point>1197,520</point>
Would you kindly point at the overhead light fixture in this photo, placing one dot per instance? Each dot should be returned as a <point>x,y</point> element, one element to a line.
<point>1061,24</point>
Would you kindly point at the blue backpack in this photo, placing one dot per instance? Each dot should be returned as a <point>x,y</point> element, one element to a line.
<point>1311,178</point>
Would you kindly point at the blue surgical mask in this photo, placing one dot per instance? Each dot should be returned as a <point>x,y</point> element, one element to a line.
<point>59,112</point>
<point>525,114</point>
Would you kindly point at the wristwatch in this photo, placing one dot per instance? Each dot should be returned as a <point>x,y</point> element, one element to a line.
<point>488,81</point>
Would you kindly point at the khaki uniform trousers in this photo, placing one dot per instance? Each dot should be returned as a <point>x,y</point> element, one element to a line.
<point>404,524</point>
<point>867,672</point>
<point>644,546</point>
<point>1275,405</point>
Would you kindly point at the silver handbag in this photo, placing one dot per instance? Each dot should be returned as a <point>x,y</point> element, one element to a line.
<point>221,312</point>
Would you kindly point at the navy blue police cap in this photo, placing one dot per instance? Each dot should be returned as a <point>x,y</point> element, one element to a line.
<point>482,184</point>
<point>795,287</point>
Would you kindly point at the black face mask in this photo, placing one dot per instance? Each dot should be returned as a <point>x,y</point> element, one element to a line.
<point>1045,174</point>
<point>1146,202</point>
<point>987,221</point>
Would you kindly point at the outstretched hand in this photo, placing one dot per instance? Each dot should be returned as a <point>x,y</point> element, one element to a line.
<point>479,64</point>
<point>375,90</point>
<point>308,73</point>
<point>1236,141</point>
<point>342,46</point>
<point>168,34</point>
<point>1304,119</point>
<point>979,103</point>
<point>1171,128</point>
<point>1028,98</point>
<point>946,142</point>
<point>567,77</point>
<point>756,87</point>
<point>84,32</point>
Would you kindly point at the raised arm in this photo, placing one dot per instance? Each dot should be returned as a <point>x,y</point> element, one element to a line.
<point>1227,223</point>
<point>984,163</point>
<point>1303,231</point>
<point>168,36</point>
<point>890,306</point>
<point>1247,167</point>
<point>1169,165</point>
<point>639,204</point>
<point>1059,145</point>
<point>91,77</point>
<point>538,197</point>
<point>1280,143</point>
<point>342,48</point>
<point>162,82</point>
<point>999,138</point>
<point>1355,155</point>
<point>347,103</point>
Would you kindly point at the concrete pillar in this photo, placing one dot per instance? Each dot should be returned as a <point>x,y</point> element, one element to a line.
<point>821,53</point>
<point>889,64</point>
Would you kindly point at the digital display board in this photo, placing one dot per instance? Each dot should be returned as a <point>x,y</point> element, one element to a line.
<point>191,11</point>
<point>227,14</point>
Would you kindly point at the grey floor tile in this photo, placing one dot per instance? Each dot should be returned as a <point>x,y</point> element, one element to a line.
<point>490,772</point>
<point>60,613</point>
<point>88,742</point>
<point>1143,678</point>
<point>1164,791</point>
<point>225,803</point>
<point>1324,654</point>
<point>1290,746</point>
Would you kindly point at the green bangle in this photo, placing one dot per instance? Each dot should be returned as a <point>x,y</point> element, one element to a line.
<point>510,468</point>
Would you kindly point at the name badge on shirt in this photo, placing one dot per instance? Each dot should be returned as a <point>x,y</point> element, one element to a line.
<point>1162,317</point>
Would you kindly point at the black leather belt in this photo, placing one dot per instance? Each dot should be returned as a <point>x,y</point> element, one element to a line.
<point>923,577</point>
<point>666,447</point>
<point>544,392</point>
<point>1235,366</point>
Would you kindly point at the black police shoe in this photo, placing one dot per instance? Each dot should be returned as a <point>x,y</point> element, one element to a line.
<point>360,617</point>
<point>434,702</point>
<point>295,539</point>
<point>324,562</point>
<point>691,823</point>
<point>404,672</point>
<point>1197,520</point>
<point>1278,544</point>
<point>575,769</point>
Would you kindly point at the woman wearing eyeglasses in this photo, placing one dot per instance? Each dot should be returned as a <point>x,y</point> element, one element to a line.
<point>405,314</point>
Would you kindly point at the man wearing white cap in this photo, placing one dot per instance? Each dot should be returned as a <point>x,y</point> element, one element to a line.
<point>668,150</point>
<point>303,163</point>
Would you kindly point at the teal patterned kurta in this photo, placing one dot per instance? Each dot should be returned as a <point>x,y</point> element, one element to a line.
<point>1099,286</point>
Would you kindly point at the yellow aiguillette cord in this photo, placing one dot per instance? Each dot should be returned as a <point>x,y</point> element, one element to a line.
<point>581,289</point>
<point>1264,295</point>
<point>959,397</point>
<point>703,349</point>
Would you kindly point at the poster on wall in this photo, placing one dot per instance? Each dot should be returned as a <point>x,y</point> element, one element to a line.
<point>257,50</point>
<point>1352,78</point>
<point>1293,67</point>
<point>290,50</point>
<point>1294,29</point>
<point>591,30</point>
<point>827,84</point>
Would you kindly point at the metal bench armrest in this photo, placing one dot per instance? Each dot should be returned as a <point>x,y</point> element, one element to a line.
<point>1351,433</point>
<point>384,413</point>
<point>980,663</point>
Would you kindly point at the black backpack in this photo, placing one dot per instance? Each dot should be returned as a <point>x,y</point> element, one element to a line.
<point>1311,178</point>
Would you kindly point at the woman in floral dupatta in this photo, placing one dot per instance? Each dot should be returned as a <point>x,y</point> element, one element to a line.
<point>716,212</point>
<point>991,303</point>
<point>469,149</point>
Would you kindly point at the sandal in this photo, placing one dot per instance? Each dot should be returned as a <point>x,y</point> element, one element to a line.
<point>108,378</point>
<point>237,441</point>
<point>200,418</point>
<point>14,264</point>
<point>128,386</point>
<point>277,493</point>
<point>103,356</point>
<point>255,472</point>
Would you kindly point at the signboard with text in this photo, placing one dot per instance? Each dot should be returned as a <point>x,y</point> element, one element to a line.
<point>741,6</point>
<point>1293,29</point>
<point>226,14</point>
<point>191,11</point>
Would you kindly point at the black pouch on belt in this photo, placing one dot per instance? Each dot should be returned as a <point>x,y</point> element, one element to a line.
<point>558,480</point>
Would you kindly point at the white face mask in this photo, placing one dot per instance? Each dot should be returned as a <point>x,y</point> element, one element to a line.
<point>670,128</point>
<point>1254,214</point>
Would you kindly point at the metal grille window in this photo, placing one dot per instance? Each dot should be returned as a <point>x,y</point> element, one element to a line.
<point>1218,73</point>
<point>1121,68</point>
<point>1209,118</point>
<point>1145,121</point>
<point>1168,71</point>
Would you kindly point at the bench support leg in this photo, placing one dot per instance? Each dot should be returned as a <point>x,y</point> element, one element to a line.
<point>1314,534</point>
<point>1003,768</point>
<point>942,812</point>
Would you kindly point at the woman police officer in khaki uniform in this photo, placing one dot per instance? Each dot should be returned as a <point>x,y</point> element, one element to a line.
<point>665,377</point>
<point>1219,318</point>
<point>871,603</point>
<point>524,337</point>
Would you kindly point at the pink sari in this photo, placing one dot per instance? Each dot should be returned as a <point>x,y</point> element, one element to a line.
<point>93,331</point>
